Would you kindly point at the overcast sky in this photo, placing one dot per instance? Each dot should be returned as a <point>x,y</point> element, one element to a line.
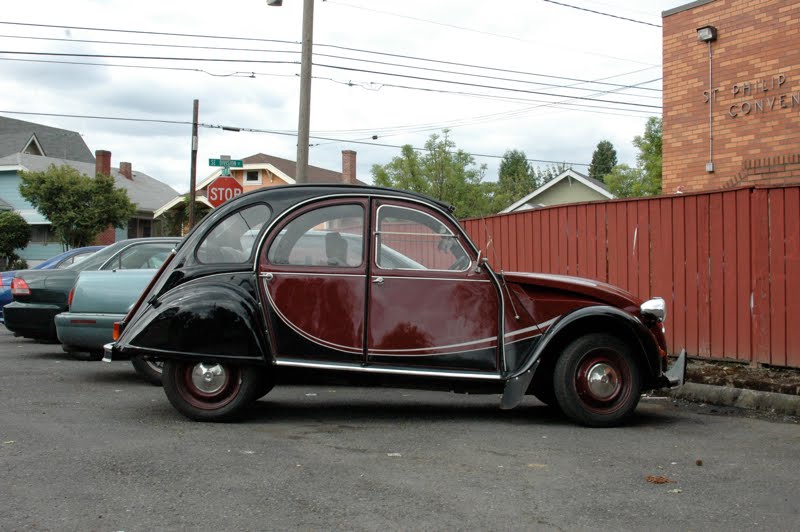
<point>534,96</point>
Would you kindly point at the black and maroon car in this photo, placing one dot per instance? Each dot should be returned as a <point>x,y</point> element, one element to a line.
<point>377,286</point>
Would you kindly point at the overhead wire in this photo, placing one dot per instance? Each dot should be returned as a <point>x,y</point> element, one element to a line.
<point>316,45</point>
<point>257,130</point>
<point>602,13</point>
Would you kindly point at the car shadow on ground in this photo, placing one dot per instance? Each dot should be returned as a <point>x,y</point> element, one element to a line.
<point>268,411</point>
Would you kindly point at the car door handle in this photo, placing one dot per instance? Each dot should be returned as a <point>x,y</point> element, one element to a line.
<point>377,280</point>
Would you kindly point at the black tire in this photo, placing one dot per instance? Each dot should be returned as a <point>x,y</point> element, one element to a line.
<point>149,370</point>
<point>230,388</point>
<point>543,391</point>
<point>542,386</point>
<point>597,381</point>
<point>266,384</point>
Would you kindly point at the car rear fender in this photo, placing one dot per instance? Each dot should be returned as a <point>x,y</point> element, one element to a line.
<point>212,318</point>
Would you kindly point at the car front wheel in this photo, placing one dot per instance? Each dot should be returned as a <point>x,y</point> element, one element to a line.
<point>597,381</point>
<point>210,391</point>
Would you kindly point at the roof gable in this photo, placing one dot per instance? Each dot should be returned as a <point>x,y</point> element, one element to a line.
<point>16,136</point>
<point>588,182</point>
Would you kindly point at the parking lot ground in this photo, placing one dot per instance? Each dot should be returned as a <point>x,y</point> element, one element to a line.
<point>88,446</point>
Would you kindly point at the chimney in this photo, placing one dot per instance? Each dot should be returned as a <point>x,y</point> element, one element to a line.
<point>348,167</point>
<point>102,162</point>
<point>126,169</point>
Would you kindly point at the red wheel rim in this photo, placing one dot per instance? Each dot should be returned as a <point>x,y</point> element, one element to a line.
<point>603,381</point>
<point>208,386</point>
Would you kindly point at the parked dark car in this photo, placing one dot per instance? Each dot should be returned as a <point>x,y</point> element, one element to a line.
<point>231,315</point>
<point>62,260</point>
<point>41,294</point>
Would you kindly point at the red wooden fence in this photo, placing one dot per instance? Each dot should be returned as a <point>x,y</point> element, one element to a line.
<point>727,263</point>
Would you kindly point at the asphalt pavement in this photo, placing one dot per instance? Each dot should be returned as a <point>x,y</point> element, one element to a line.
<point>89,446</point>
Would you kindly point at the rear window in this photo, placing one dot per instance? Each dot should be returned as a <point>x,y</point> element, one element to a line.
<point>233,239</point>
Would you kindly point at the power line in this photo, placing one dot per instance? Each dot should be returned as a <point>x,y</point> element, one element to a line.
<point>149,67</point>
<point>151,57</point>
<point>509,89</point>
<point>475,30</point>
<point>317,45</point>
<point>385,63</point>
<point>601,13</point>
<point>253,74</point>
<point>255,130</point>
<point>323,65</point>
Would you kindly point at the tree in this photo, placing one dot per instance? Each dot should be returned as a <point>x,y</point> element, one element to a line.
<point>645,179</point>
<point>79,207</point>
<point>14,234</point>
<point>442,172</point>
<point>649,157</point>
<point>175,219</point>
<point>516,178</point>
<point>604,159</point>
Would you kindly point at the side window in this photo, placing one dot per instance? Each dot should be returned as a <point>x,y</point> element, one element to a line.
<point>408,239</point>
<point>232,240</point>
<point>329,236</point>
<point>141,256</point>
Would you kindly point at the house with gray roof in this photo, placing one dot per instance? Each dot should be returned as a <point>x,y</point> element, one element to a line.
<point>146,192</point>
<point>19,136</point>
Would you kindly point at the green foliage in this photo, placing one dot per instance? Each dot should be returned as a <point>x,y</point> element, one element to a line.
<point>442,172</point>
<point>16,263</point>
<point>649,145</point>
<point>79,207</point>
<point>516,177</point>
<point>14,234</point>
<point>604,159</point>
<point>550,172</point>
<point>645,179</point>
<point>177,218</point>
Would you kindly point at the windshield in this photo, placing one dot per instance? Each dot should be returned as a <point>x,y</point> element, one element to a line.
<point>95,261</point>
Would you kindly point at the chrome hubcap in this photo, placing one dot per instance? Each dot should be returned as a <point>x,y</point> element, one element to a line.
<point>603,380</point>
<point>209,378</point>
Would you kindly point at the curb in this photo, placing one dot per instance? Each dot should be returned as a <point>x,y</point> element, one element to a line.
<point>739,397</point>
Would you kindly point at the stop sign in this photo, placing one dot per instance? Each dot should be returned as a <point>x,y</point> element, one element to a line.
<point>222,189</point>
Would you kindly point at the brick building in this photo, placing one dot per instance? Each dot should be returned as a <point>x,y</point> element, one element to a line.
<point>731,94</point>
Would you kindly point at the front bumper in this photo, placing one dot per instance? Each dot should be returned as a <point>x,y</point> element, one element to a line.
<point>676,375</point>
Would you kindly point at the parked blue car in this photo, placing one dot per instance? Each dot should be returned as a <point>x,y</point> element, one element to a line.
<point>62,260</point>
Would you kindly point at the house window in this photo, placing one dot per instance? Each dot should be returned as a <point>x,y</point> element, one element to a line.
<point>252,177</point>
<point>43,234</point>
<point>139,227</point>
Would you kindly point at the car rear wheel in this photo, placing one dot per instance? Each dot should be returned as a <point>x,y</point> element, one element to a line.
<point>149,370</point>
<point>597,381</point>
<point>211,391</point>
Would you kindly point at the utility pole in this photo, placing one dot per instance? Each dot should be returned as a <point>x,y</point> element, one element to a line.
<point>193,171</point>
<point>304,118</point>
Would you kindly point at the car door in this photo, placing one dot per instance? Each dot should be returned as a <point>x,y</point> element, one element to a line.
<point>313,279</point>
<point>429,306</point>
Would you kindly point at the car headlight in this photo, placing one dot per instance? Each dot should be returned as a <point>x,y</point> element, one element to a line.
<point>654,308</point>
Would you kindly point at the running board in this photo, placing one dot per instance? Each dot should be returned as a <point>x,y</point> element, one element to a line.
<point>293,363</point>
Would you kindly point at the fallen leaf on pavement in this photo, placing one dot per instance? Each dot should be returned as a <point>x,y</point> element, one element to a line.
<point>658,479</point>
